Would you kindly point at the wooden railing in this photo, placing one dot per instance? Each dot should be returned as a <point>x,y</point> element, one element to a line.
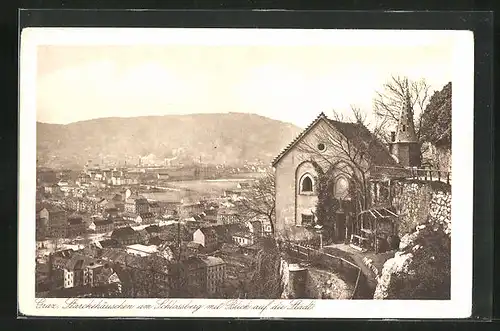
<point>315,256</point>
<point>423,174</point>
<point>430,175</point>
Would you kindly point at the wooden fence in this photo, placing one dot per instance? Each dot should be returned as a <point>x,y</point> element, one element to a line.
<point>422,174</point>
<point>328,261</point>
<point>430,175</point>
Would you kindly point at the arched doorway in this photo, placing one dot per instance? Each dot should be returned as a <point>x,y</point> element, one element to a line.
<point>341,192</point>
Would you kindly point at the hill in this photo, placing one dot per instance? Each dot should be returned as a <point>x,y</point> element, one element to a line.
<point>215,138</point>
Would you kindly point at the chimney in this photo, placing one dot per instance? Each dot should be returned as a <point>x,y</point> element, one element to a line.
<point>393,136</point>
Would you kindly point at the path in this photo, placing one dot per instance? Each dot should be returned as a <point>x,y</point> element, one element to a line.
<point>356,257</point>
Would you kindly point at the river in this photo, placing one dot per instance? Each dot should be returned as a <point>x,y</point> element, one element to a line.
<point>194,190</point>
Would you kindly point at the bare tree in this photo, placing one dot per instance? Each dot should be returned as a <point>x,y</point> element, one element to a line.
<point>350,152</point>
<point>387,103</point>
<point>150,278</point>
<point>260,200</point>
<point>266,278</point>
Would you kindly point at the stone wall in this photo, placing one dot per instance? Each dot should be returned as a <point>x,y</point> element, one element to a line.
<point>418,202</point>
<point>440,210</point>
<point>319,284</point>
<point>322,284</point>
<point>421,267</point>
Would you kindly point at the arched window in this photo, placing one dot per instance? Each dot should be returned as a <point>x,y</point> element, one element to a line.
<point>341,189</point>
<point>306,184</point>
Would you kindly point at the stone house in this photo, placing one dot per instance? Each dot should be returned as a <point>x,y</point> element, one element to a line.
<point>126,236</point>
<point>102,226</point>
<point>207,237</point>
<point>155,208</point>
<point>55,220</point>
<point>131,217</point>
<point>314,149</point>
<point>243,239</point>
<point>153,230</point>
<point>81,270</point>
<point>227,216</point>
<point>194,248</point>
<point>75,226</point>
<point>162,176</point>
<point>147,218</point>
<point>190,209</point>
<point>193,277</point>
<point>136,205</point>
<point>216,274</point>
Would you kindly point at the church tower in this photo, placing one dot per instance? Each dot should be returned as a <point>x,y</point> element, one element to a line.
<point>404,144</point>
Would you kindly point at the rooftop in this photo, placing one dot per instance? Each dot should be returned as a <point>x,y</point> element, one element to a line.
<point>363,139</point>
<point>103,222</point>
<point>129,215</point>
<point>194,263</point>
<point>75,220</point>
<point>155,241</point>
<point>144,248</point>
<point>212,261</point>
<point>78,261</point>
<point>243,235</point>
<point>208,231</point>
<point>108,243</point>
<point>357,133</point>
<point>126,231</point>
<point>227,211</point>
<point>114,255</point>
<point>193,204</point>
<point>193,244</point>
<point>65,253</point>
<point>53,209</point>
<point>153,229</point>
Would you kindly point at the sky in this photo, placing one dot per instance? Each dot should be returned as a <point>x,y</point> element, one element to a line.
<point>291,82</point>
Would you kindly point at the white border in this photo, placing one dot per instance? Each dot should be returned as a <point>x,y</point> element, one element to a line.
<point>462,164</point>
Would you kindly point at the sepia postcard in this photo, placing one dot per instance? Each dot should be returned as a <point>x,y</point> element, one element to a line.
<point>260,173</point>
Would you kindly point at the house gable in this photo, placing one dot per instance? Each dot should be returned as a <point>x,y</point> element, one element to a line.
<point>315,136</point>
<point>297,139</point>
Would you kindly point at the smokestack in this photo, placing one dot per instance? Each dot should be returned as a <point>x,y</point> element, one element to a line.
<point>393,136</point>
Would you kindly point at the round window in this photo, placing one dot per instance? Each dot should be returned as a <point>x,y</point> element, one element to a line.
<point>321,147</point>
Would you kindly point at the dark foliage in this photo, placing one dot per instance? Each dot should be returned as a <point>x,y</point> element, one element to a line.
<point>327,205</point>
<point>436,119</point>
<point>266,279</point>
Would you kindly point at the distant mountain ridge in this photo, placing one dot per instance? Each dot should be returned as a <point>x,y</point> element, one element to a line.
<point>229,138</point>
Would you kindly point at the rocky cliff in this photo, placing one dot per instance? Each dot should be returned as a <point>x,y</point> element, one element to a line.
<point>420,268</point>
